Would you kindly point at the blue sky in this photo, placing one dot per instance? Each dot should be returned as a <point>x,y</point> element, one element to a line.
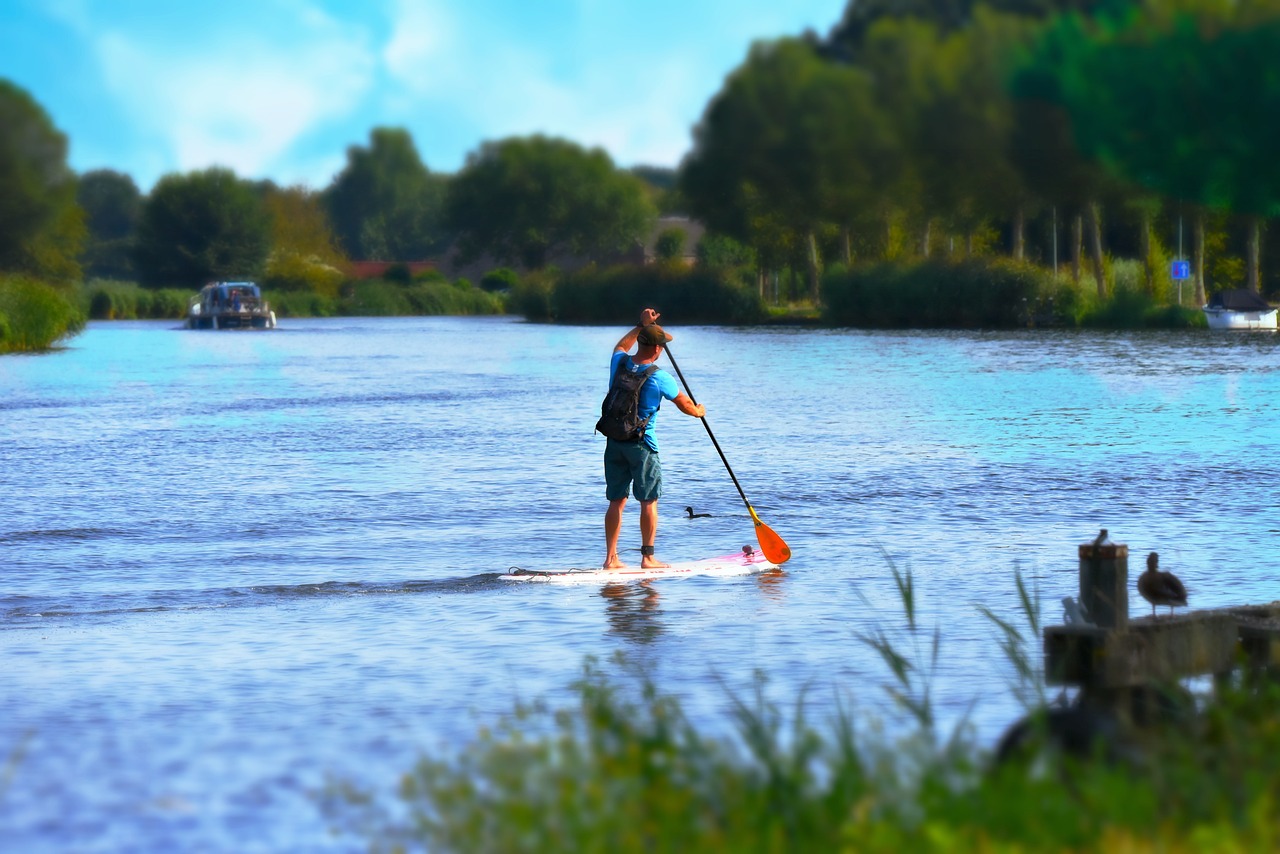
<point>280,88</point>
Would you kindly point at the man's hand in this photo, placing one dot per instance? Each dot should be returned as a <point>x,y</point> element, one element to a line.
<point>648,317</point>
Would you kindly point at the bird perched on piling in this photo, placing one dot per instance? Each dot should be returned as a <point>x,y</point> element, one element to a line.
<point>1159,587</point>
<point>693,515</point>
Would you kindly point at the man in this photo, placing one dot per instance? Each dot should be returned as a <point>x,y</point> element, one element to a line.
<point>635,465</point>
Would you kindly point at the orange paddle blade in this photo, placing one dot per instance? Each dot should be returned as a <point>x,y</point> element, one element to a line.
<point>773,546</point>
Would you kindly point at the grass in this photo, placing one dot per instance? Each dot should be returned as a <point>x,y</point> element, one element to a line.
<point>625,770</point>
<point>35,316</point>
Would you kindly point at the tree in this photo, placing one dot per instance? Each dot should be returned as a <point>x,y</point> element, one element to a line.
<point>304,252</point>
<point>111,204</point>
<point>39,229</point>
<point>201,226</point>
<point>791,146</point>
<point>1185,104</point>
<point>670,244</point>
<point>528,199</point>
<point>386,204</point>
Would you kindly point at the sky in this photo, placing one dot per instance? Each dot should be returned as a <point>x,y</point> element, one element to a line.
<point>279,89</point>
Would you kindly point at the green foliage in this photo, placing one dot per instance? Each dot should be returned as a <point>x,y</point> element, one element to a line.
<point>1129,308</point>
<point>719,250</point>
<point>386,204</point>
<point>625,770</point>
<point>289,271</point>
<point>398,273</point>
<point>501,279</point>
<point>529,199</point>
<point>35,315</point>
<point>1184,104</point>
<point>379,298</point>
<point>201,227</point>
<point>973,293</point>
<point>113,300</point>
<point>303,304</point>
<point>38,187</point>
<point>670,244</point>
<point>791,141</point>
<point>112,205</point>
<point>698,295</point>
<point>531,296</point>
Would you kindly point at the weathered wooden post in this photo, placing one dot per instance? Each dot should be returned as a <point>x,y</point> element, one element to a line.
<point>1104,582</point>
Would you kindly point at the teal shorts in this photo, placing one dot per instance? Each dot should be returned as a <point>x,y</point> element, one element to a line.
<point>634,465</point>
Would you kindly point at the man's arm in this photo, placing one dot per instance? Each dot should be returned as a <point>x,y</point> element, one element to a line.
<point>686,405</point>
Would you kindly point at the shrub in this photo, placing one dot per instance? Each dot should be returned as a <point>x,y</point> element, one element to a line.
<point>104,299</point>
<point>531,296</point>
<point>501,279</point>
<point>292,272</point>
<point>968,294</point>
<point>670,243</point>
<point>35,315</point>
<point>698,295</point>
<point>398,273</point>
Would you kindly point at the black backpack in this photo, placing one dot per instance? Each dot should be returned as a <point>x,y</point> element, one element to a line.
<point>620,412</point>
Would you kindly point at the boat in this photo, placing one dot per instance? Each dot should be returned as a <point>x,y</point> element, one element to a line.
<point>1239,309</point>
<point>230,305</point>
<point>749,561</point>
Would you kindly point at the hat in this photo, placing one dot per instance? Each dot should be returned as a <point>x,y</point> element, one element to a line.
<point>653,335</point>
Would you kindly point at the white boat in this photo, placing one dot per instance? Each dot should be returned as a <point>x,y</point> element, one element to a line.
<point>1239,309</point>
<point>230,305</point>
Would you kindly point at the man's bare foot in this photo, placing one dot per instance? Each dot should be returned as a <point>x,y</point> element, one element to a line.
<point>648,562</point>
<point>614,562</point>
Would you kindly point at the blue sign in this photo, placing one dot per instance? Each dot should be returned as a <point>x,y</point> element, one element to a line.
<point>1181,270</point>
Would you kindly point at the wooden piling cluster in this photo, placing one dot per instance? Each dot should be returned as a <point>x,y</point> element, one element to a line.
<point>1112,652</point>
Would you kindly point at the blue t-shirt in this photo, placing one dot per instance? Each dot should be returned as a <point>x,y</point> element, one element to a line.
<point>659,385</point>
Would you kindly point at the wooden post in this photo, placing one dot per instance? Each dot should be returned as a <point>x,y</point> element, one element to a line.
<point>1104,583</point>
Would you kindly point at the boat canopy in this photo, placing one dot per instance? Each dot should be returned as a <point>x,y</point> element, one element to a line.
<point>1240,299</point>
<point>226,290</point>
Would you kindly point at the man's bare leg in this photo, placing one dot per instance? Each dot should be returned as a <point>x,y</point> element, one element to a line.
<point>649,532</point>
<point>612,527</point>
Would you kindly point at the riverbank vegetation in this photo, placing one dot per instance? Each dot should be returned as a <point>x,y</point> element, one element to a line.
<point>35,315</point>
<point>625,769</point>
<point>984,164</point>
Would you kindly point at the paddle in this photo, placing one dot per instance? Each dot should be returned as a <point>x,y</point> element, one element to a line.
<point>771,544</point>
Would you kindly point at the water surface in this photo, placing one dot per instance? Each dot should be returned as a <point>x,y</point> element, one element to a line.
<point>234,565</point>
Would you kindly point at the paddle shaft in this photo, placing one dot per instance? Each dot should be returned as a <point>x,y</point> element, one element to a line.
<point>703,419</point>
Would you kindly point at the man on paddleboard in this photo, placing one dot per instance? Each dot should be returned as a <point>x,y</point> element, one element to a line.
<point>634,466</point>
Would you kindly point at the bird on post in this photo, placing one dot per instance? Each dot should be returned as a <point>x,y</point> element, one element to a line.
<point>1159,587</point>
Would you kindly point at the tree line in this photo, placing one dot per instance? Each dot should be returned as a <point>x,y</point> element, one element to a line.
<point>1044,130</point>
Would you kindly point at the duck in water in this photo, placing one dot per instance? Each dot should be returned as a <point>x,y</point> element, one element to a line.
<point>693,515</point>
<point>1159,587</point>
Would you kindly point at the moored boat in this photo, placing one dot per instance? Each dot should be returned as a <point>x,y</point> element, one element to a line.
<point>230,305</point>
<point>1239,309</point>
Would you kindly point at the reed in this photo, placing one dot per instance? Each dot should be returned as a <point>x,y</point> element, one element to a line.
<point>625,770</point>
<point>35,315</point>
<point>377,298</point>
<point>105,299</point>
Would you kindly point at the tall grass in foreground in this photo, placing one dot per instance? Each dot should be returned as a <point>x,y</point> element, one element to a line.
<point>625,770</point>
<point>35,315</point>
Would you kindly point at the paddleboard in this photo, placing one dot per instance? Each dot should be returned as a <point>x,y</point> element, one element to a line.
<point>743,563</point>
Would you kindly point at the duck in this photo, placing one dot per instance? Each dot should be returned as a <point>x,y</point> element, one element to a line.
<point>693,515</point>
<point>1159,587</point>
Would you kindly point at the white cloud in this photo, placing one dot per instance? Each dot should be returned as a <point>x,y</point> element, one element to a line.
<point>242,102</point>
<point>630,96</point>
<point>420,38</point>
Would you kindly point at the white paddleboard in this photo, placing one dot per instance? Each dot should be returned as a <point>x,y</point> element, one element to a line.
<point>743,563</point>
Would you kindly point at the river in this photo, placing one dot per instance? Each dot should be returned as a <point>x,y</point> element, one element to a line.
<point>235,566</point>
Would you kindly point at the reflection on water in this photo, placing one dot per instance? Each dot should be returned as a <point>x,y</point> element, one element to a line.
<point>632,610</point>
<point>770,583</point>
